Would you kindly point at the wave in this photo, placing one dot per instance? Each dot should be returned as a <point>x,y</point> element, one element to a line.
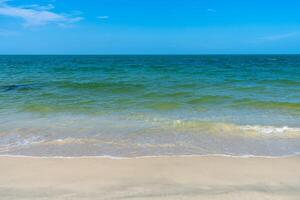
<point>272,130</point>
<point>291,106</point>
<point>158,95</point>
<point>234,129</point>
<point>18,141</point>
<point>282,82</point>
<point>211,99</point>
<point>77,69</point>
<point>112,86</point>
<point>261,89</point>
<point>82,136</point>
<point>162,106</point>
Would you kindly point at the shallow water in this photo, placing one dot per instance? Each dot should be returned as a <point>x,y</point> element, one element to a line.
<point>149,105</point>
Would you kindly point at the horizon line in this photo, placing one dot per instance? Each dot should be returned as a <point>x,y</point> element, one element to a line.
<point>204,54</point>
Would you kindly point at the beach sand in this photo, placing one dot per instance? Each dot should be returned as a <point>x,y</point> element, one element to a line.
<point>208,177</point>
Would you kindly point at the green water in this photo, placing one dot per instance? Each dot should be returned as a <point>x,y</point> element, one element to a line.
<point>148,94</point>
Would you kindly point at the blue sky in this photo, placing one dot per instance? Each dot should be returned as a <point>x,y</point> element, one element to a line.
<point>149,27</point>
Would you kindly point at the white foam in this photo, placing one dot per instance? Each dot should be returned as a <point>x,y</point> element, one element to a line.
<point>271,129</point>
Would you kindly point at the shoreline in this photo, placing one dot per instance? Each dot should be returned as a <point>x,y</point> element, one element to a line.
<point>202,177</point>
<point>296,155</point>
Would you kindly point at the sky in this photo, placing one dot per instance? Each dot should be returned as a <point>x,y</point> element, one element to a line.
<point>149,27</point>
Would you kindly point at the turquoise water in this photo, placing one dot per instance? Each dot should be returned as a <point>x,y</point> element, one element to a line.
<point>149,105</point>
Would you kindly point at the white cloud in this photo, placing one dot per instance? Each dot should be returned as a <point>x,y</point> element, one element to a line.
<point>36,15</point>
<point>280,37</point>
<point>103,17</point>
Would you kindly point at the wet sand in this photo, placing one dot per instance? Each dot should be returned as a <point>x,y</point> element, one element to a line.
<point>171,178</point>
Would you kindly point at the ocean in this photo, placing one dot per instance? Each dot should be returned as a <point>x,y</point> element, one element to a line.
<point>131,106</point>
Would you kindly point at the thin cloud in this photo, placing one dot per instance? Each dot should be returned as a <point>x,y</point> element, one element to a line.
<point>39,7</point>
<point>6,33</point>
<point>103,17</point>
<point>280,37</point>
<point>36,15</point>
<point>211,10</point>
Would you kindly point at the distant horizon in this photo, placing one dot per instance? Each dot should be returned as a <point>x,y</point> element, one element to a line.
<point>279,54</point>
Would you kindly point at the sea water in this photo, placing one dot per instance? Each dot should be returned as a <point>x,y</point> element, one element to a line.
<point>150,105</point>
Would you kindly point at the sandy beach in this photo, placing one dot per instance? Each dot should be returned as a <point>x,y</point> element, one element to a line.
<point>211,177</point>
